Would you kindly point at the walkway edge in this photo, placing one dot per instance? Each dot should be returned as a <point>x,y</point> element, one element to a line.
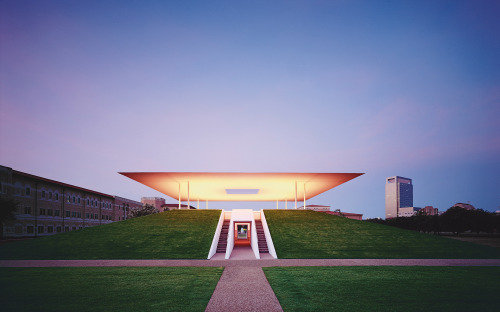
<point>249,263</point>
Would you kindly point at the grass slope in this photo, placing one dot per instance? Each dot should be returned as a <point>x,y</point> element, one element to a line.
<point>386,288</point>
<point>107,289</point>
<point>178,234</point>
<point>315,235</point>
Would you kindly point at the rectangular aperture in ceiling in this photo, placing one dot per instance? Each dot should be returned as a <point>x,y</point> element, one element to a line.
<point>242,191</point>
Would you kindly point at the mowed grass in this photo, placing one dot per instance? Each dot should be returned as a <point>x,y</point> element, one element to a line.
<point>178,234</point>
<point>386,288</point>
<point>315,235</point>
<point>107,289</point>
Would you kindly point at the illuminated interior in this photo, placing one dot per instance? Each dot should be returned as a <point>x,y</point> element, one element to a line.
<point>234,186</point>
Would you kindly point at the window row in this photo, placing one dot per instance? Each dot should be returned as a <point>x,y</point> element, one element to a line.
<point>69,199</point>
<point>44,212</point>
<point>30,229</point>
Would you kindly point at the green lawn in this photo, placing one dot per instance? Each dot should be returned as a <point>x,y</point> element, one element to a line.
<point>316,235</point>
<point>386,288</point>
<point>177,234</point>
<point>107,289</point>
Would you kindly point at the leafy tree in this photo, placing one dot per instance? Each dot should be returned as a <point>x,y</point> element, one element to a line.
<point>482,221</point>
<point>143,211</point>
<point>456,220</point>
<point>8,207</point>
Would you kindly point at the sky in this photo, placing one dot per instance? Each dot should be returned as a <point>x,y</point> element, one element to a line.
<point>410,88</point>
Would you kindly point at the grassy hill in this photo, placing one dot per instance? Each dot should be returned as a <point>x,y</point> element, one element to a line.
<point>178,234</point>
<point>316,235</point>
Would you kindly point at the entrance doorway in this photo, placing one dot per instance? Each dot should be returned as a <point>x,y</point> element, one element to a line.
<point>242,233</point>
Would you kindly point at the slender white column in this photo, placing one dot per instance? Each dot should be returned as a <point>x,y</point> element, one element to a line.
<point>295,194</point>
<point>188,197</point>
<point>179,195</point>
<point>304,195</point>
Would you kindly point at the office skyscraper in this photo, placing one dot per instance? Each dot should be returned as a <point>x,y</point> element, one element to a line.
<point>398,194</point>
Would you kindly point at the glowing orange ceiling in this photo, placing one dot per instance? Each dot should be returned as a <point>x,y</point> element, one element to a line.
<point>236,186</point>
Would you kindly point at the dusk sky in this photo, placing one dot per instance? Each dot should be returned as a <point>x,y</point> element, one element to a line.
<point>410,88</point>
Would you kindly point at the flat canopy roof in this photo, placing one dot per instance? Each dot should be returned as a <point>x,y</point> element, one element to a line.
<point>240,186</point>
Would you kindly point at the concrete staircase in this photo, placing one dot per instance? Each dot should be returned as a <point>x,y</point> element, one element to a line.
<point>261,237</point>
<point>221,246</point>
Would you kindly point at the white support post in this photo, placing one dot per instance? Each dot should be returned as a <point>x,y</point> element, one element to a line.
<point>295,194</point>
<point>179,196</point>
<point>304,195</point>
<point>188,197</point>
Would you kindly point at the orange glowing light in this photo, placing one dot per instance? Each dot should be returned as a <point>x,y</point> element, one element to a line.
<point>212,186</point>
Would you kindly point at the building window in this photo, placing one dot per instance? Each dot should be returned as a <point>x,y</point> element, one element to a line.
<point>79,214</point>
<point>73,228</point>
<point>50,229</point>
<point>57,196</point>
<point>42,211</point>
<point>87,215</point>
<point>66,229</point>
<point>30,229</point>
<point>43,194</point>
<point>59,229</point>
<point>74,201</point>
<point>28,191</point>
<point>56,213</point>
<point>78,199</point>
<point>69,199</point>
<point>27,210</point>
<point>50,195</point>
<point>88,202</point>
<point>49,212</point>
<point>68,214</point>
<point>73,214</point>
<point>40,229</point>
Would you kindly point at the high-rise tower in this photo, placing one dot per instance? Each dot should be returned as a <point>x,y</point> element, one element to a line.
<point>398,194</point>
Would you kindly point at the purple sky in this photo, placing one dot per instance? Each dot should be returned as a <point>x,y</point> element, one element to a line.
<point>409,88</point>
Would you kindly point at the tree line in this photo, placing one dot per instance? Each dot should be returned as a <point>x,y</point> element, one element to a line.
<point>455,220</point>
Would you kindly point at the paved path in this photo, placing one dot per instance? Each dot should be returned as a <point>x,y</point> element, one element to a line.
<point>243,289</point>
<point>250,263</point>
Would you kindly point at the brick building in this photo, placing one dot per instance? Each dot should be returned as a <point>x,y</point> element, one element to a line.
<point>429,211</point>
<point>156,202</point>
<point>47,207</point>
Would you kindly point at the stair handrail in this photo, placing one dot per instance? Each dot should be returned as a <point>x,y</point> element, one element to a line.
<point>215,240</point>
<point>230,239</point>
<point>254,241</point>
<point>267,233</point>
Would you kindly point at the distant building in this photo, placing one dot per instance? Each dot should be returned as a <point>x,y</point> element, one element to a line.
<point>47,207</point>
<point>316,208</point>
<point>429,211</point>
<point>321,208</point>
<point>175,206</point>
<point>398,194</point>
<point>349,215</point>
<point>156,202</point>
<point>464,206</point>
<point>408,211</point>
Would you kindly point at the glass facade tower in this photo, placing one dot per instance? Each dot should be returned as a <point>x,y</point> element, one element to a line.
<point>398,194</point>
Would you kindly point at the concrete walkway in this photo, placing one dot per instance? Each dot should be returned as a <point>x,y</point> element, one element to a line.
<point>243,289</point>
<point>250,263</point>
